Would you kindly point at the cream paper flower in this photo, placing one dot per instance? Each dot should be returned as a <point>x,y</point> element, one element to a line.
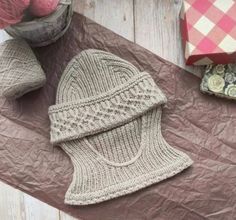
<point>216,83</point>
<point>219,70</point>
<point>232,67</point>
<point>230,77</point>
<point>231,91</point>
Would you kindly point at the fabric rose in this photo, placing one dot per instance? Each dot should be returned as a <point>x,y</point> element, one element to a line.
<point>230,77</point>
<point>231,91</point>
<point>216,83</point>
<point>219,70</point>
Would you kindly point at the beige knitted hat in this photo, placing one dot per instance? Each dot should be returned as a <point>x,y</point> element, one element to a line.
<point>107,118</point>
<point>20,72</point>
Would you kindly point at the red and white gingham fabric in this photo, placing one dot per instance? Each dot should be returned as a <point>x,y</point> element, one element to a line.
<point>209,31</point>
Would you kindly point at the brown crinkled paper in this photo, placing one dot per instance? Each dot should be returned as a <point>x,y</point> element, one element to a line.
<point>200,125</point>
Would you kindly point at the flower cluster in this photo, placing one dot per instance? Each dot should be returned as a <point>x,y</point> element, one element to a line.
<point>220,80</point>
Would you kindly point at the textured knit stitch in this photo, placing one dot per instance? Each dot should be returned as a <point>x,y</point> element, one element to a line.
<point>107,118</point>
<point>20,72</point>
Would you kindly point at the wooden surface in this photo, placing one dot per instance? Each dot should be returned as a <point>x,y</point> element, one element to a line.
<point>153,24</point>
<point>16,205</point>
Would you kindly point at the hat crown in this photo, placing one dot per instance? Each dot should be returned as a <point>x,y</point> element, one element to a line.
<point>91,73</point>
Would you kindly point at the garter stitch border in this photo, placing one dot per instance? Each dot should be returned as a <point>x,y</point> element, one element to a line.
<point>107,118</point>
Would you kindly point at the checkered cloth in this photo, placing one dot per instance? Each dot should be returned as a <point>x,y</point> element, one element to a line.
<point>209,31</point>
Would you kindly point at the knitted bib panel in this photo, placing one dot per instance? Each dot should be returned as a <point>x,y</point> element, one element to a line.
<point>107,118</point>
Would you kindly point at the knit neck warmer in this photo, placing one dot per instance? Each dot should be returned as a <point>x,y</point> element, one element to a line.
<point>107,118</point>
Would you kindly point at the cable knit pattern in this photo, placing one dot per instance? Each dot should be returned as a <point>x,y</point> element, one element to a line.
<point>79,119</point>
<point>107,118</point>
<point>20,71</point>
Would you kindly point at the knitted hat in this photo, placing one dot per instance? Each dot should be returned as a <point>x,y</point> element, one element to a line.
<point>107,119</point>
<point>20,72</point>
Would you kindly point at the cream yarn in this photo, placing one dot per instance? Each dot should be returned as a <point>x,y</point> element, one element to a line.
<point>107,118</point>
<point>20,72</point>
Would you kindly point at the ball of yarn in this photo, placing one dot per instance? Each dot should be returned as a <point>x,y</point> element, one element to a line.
<point>42,8</point>
<point>11,12</point>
